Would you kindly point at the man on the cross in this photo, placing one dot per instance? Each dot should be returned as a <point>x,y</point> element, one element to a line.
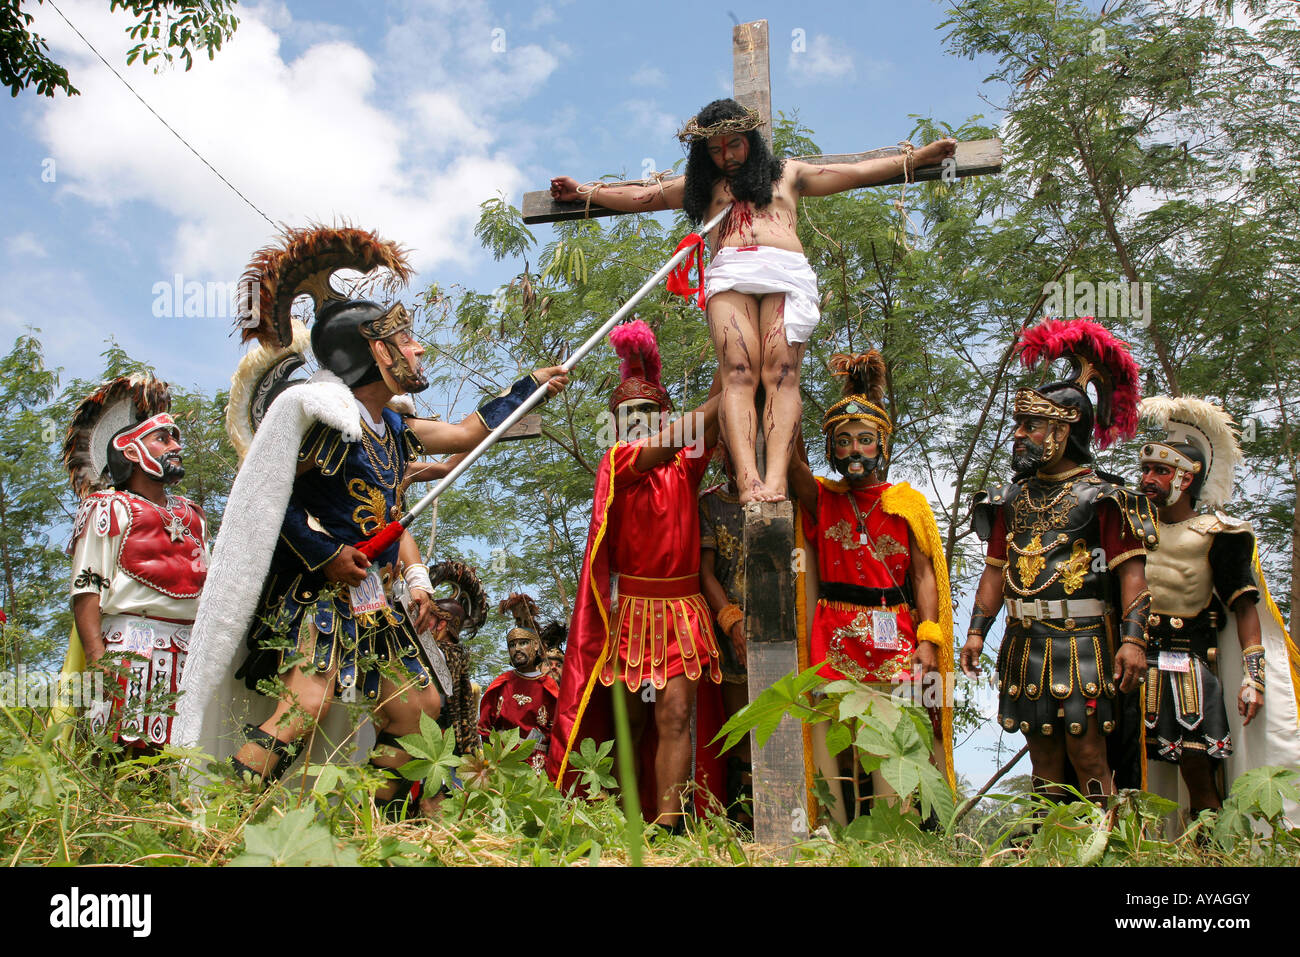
<point>759,337</point>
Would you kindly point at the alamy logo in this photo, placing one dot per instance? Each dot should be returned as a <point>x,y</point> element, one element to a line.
<point>75,909</point>
<point>1104,300</point>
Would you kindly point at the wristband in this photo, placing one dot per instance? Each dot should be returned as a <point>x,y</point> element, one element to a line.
<point>416,575</point>
<point>1252,666</point>
<point>929,631</point>
<point>496,410</point>
<point>728,617</point>
<point>1133,630</point>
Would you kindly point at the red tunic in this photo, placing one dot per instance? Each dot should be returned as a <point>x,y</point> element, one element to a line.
<point>644,541</point>
<point>844,634</point>
<point>663,623</point>
<point>517,701</point>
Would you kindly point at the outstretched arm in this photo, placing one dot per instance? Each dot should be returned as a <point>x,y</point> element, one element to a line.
<point>627,198</point>
<point>441,437</point>
<point>824,179</point>
<point>700,424</point>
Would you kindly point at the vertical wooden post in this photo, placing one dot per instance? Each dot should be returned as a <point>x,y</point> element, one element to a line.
<point>771,629</point>
<point>751,74</point>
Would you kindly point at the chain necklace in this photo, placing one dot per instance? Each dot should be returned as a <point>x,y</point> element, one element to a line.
<point>390,455</point>
<point>864,535</point>
<point>176,526</point>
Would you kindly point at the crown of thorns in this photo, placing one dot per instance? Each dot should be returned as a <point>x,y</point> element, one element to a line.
<point>692,131</point>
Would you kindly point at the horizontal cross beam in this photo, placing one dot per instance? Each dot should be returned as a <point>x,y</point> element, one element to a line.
<point>973,158</point>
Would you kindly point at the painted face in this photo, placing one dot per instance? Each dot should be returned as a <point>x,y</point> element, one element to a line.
<point>857,450</point>
<point>637,419</point>
<point>449,619</point>
<point>399,358</point>
<point>1036,444</point>
<point>158,453</point>
<point>1157,483</point>
<point>729,151</point>
<point>525,652</point>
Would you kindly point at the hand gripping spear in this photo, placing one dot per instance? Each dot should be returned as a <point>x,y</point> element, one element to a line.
<point>385,537</point>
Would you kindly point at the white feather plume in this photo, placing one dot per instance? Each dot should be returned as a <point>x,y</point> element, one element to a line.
<point>1189,419</point>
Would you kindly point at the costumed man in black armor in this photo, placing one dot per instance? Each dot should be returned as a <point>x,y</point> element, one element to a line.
<point>139,555</point>
<point>1202,580</point>
<point>1066,550</point>
<point>322,474</point>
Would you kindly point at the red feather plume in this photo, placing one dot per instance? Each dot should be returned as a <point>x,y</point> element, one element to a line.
<point>1099,357</point>
<point>637,346</point>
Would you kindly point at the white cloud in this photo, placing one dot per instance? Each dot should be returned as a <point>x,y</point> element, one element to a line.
<point>648,76</point>
<point>825,59</point>
<point>25,244</point>
<point>650,123</point>
<point>329,134</point>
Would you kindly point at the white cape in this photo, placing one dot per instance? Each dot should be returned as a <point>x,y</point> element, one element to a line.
<point>214,705</point>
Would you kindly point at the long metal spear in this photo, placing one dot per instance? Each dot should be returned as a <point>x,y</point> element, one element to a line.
<point>371,547</point>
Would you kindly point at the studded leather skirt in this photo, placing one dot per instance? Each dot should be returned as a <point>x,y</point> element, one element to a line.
<point>1183,705</point>
<point>1051,681</point>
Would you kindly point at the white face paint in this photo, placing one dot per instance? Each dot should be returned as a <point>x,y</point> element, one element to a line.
<point>637,419</point>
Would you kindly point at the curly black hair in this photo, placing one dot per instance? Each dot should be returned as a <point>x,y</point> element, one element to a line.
<point>751,183</point>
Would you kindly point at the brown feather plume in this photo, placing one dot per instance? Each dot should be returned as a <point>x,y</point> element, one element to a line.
<point>865,373</point>
<point>302,262</point>
<point>149,397</point>
<point>522,608</point>
<point>466,589</point>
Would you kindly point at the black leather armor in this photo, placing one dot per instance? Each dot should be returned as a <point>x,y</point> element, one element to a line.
<point>1056,663</point>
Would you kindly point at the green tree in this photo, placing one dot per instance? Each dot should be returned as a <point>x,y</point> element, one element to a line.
<point>33,506</point>
<point>1160,140</point>
<point>170,30</point>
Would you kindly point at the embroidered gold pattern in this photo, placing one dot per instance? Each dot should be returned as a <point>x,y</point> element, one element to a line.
<point>1073,569</point>
<point>842,532</point>
<point>522,699</point>
<point>887,545</point>
<point>728,544</point>
<point>370,516</point>
<point>1031,562</point>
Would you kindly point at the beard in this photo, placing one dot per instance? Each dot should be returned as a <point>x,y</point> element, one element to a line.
<point>408,378</point>
<point>1026,456</point>
<point>845,466</point>
<point>172,469</point>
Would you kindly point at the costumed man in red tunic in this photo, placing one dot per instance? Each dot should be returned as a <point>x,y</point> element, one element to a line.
<point>139,555</point>
<point>524,697</point>
<point>640,620</point>
<point>884,612</point>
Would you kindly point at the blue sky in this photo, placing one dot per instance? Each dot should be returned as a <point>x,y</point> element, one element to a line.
<point>401,117</point>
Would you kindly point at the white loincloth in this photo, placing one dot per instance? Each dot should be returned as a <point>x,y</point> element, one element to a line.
<point>759,270</point>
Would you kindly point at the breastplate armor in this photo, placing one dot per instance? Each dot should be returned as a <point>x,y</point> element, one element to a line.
<point>1178,572</point>
<point>1052,529</point>
<point>163,548</point>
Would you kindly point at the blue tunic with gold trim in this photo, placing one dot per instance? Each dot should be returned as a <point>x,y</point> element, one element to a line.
<point>351,491</point>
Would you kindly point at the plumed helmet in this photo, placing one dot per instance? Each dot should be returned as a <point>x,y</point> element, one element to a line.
<point>338,343</point>
<point>1095,356</point>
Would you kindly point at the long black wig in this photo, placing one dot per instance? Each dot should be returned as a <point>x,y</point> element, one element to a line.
<point>751,183</point>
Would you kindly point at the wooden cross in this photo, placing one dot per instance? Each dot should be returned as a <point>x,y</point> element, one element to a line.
<point>753,89</point>
<point>781,815</point>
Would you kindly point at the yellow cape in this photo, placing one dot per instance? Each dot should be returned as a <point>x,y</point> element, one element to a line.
<point>909,504</point>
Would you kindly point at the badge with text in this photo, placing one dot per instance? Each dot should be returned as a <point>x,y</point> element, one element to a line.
<point>884,627</point>
<point>1175,661</point>
<point>369,595</point>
